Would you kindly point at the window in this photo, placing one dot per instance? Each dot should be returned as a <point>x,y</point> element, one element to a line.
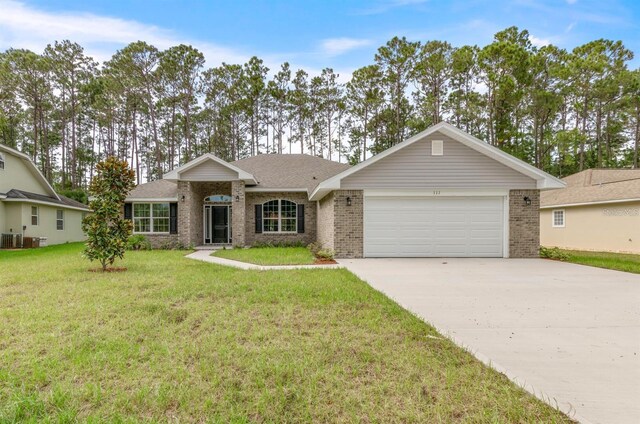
<point>1,161</point>
<point>558,218</point>
<point>218,198</point>
<point>150,217</point>
<point>279,216</point>
<point>34,215</point>
<point>59,219</point>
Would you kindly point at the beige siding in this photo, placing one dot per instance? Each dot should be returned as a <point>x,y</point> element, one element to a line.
<point>608,228</point>
<point>17,174</point>
<point>47,224</point>
<point>13,218</point>
<point>209,171</point>
<point>413,167</point>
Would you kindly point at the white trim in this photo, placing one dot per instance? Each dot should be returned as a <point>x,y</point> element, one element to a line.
<point>274,190</point>
<point>41,202</point>
<point>437,147</point>
<point>553,218</point>
<point>444,192</point>
<point>151,200</point>
<point>57,219</point>
<point>279,200</point>
<point>505,223</point>
<point>543,180</point>
<point>37,215</point>
<point>242,175</point>
<point>204,223</point>
<point>602,202</point>
<point>34,169</point>
<point>151,217</point>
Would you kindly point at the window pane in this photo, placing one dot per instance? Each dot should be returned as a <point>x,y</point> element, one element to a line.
<point>34,210</point>
<point>142,210</point>
<point>270,225</point>
<point>270,209</point>
<point>59,214</point>
<point>141,225</point>
<point>161,225</point>
<point>289,225</point>
<point>160,210</point>
<point>288,209</point>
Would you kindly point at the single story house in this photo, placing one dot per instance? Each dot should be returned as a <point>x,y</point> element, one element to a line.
<point>599,210</point>
<point>441,193</point>
<point>29,207</point>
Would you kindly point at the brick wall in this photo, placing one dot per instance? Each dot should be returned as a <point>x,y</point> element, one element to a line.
<point>524,224</point>
<point>348,223</point>
<point>310,212</point>
<point>325,227</point>
<point>238,213</point>
<point>165,241</point>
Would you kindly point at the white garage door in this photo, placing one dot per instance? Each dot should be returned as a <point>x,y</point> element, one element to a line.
<point>433,227</point>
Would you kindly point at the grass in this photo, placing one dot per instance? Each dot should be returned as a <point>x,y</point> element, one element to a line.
<point>269,255</point>
<point>618,261</point>
<point>178,340</point>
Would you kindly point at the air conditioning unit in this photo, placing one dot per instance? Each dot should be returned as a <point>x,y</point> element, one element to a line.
<point>10,241</point>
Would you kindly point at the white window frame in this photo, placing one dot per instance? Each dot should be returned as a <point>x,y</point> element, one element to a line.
<point>437,147</point>
<point>553,218</point>
<point>60,220</point>
<point>279,231</point>
<point>151,217</point>
<point>36,215</point>
<point>1,161</point>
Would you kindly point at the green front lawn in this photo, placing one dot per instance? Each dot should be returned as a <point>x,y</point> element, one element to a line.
<point>179,340</point>
<point>269,255</point>
<point>618,261</point>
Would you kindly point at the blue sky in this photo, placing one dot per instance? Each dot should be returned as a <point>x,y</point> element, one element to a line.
<point>309,34</point>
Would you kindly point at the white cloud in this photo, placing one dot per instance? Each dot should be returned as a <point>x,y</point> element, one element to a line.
<point>539,42</point>
<point>338,46</point>
<point>22,26</point>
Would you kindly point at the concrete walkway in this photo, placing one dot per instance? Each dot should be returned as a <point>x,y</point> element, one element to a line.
<point>205,256</point>
<point>568,333</point>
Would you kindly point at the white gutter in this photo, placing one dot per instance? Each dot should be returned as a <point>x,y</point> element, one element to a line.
<point>41,202</point>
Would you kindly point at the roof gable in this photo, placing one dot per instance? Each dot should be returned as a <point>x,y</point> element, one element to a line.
<point>542,179</point>
<point>209,167</point>
<point>19,167</point>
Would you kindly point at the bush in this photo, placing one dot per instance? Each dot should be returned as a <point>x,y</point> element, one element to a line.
<point>553,253</point>
<point>138,242</point>
<point>325,254</point>
<point>314,248</point>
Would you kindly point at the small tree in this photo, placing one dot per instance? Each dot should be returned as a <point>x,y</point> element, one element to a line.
<point>107,231</point>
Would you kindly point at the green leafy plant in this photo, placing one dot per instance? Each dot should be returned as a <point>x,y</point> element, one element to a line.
<point>553,253</point>
<point>107,230</point>
<point>325,254</point>
<point>138,242</point>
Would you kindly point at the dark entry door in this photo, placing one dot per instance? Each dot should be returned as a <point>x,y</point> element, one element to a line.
<point>220,224</point>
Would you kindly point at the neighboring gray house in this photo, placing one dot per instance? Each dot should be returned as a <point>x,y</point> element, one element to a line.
<point>441,193</point>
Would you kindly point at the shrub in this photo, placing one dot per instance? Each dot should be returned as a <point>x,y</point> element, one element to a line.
<point>553,253</point>
<point>325,254</point>
<point>314,248</point>
<point>138,242</point>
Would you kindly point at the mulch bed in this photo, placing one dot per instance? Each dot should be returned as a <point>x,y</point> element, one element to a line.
<point>110,269</point>
<point>324,262</point>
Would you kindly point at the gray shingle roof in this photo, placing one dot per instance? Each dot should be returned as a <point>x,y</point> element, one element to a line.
<point>64,201</point>
<point>158,189</point>
<point>290,170</point>
<point>270,170</point>
<point>594,186</point>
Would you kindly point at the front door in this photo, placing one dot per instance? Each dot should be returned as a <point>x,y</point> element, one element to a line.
<point>216,224</point>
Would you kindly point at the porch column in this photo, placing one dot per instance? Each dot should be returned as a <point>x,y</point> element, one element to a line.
<point>185,212</point>
<point>238,211</point>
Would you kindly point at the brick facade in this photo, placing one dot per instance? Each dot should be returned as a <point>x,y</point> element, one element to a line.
<point>190,211</point>
<point>524,224</point>
<point>301,198</point>
<point>348,224</point>
<point>238,213</point>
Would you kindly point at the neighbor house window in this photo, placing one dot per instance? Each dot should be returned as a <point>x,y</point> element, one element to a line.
<point>558,218</point>
<point>279,216</point>
<point>59,219</point>
<point>150,217</point>
<point>1,161</point>
<point>34,215</point>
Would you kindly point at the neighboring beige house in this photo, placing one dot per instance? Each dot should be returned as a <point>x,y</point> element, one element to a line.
<point>29,207</point>
<point>441,193</point>
<point>599,210</point>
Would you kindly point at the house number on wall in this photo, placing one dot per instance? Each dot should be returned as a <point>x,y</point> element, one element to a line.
<point>436,192</point>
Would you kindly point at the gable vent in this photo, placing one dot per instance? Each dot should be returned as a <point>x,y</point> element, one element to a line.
<point>437,148</point>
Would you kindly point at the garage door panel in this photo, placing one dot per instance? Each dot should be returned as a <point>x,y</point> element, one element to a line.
<point>440,227</point>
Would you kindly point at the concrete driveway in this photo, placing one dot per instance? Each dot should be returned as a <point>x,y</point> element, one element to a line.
<point>568,333</point>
